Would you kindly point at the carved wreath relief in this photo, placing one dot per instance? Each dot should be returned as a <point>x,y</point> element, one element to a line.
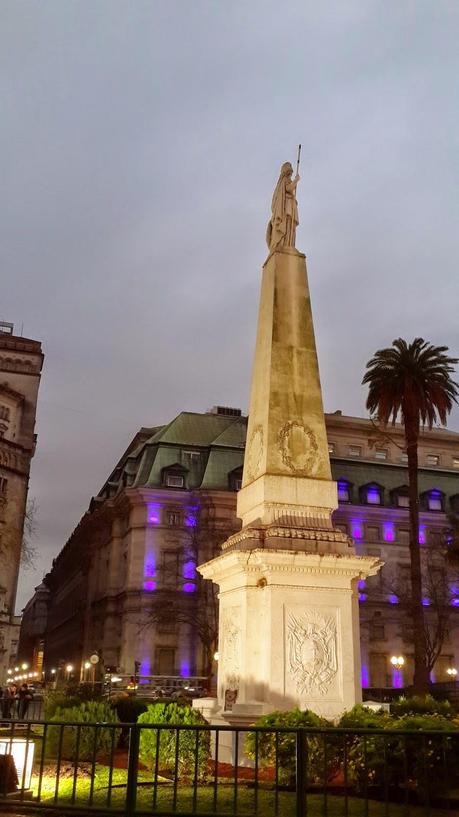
<point>298,448</point>
<point>312,653</point>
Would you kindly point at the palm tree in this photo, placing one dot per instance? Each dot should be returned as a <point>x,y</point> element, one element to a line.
<point>413,382</point>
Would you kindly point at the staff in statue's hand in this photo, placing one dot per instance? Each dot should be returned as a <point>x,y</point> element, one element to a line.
<point>281,231</point>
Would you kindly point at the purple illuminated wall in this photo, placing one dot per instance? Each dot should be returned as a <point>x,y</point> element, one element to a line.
<point>185,669</point>
<point>365,676</point>
<point>397,678</point>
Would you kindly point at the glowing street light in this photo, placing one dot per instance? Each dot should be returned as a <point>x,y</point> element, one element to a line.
<point>452,672</point>
<point>53,672</point>
<point>25,665</point>
<point>216,656</point>
<point>397,661</point>
<point>9,672</point>
<point>87,665</point>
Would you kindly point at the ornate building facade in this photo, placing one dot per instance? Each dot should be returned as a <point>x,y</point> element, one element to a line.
<point>138,533</point>
<point>21,362</point>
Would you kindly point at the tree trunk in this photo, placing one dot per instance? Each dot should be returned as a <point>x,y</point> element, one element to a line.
<point>421,672</point>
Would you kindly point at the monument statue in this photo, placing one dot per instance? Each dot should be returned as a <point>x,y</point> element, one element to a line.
<point>281,231</point>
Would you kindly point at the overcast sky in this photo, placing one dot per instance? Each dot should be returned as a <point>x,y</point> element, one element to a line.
<point>140,144</point>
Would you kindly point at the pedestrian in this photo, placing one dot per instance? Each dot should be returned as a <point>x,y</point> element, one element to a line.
<point>7,702</point>
<point>24,700</point>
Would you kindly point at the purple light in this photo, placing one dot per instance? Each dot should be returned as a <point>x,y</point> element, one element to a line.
<point>455,602</point>
<point>365,676</point>
<point>432,676</point>
<point>362,596</point>
<point>389,532</point>
<point>392,598</point>
<point>191,516</point>
<point>357,529</point>
<point>145,667</point>
<point>189,569</point>
<point>397,679</point>
<point>189,587</point>
<point>185,669</point>
<point>154,513</point>
<point>425,602</point>
<point>373,496</point>
<point>361,584</point>
<point>422,534</point>
<point>149,585</point>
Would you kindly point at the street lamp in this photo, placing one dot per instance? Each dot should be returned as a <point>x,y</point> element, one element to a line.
<point>25,665</point>
<point>87,665</point>
<point>9,672</point>
<point>216,656</point>
<point>397,661</point>
<point>452,672</point>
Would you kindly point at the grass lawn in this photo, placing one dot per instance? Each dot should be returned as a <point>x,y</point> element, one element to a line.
<point>95,793</point>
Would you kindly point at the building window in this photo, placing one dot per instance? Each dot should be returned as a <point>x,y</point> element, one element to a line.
<point>432,500</point>
<point>403,501</point>
<point>371,494</point>
<point>331,448</point>
<point>372,533</point>
<point>355,450</point>
<point>403,536</point>
<point>381,454</point>
<point>3,485</point>
<point>173,518</point>
<point>455,462</point>
<point>192,456</point>
<point>432,459</point>
<point>404,457</point>
<point>4,413</point>
<point>175,480</point>
<point>170,567</point>
<point>344,491</point>
<point>235,479</point>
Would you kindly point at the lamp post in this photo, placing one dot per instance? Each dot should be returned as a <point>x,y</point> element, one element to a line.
<point>398,663</point>
<point>452,672</point>
<point>68,671</point>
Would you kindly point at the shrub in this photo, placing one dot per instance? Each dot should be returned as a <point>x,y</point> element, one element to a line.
<point>193,746</point>
<point>421,705</point>
<point>284,746</point>
<point>85,739</point>
<point>67,696</point>
<point>392,761</point>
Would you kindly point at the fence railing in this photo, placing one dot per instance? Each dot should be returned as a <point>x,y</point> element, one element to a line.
<point>135,769</point>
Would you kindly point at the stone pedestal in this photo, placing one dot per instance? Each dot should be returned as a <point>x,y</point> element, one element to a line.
<point>289,631</point>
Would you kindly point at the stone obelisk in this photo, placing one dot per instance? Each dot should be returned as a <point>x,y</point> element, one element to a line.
<point>289,625</point>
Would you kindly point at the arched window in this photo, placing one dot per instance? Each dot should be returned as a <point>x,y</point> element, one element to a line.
<point>399,497</point>
<point>344,490</point>
<point>432,500</point>
<point>372,494</point>
<point>174,476</point>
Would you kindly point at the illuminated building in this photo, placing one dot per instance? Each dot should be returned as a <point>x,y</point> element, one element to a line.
<point>103,581</point>
<point>21,362</point>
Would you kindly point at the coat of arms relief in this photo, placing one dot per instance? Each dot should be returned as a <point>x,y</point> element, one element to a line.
<point>312,651</point>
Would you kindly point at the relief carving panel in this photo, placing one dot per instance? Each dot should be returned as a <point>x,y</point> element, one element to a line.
<point>312,660</point>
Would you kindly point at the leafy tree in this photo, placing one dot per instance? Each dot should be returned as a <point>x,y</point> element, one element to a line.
<point>412,382</point>
<point>440,574</point>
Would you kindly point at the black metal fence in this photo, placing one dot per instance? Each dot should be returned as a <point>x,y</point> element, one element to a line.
<point>135,769</point>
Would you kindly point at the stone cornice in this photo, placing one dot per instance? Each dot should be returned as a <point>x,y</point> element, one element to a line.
<point>269,562</point>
